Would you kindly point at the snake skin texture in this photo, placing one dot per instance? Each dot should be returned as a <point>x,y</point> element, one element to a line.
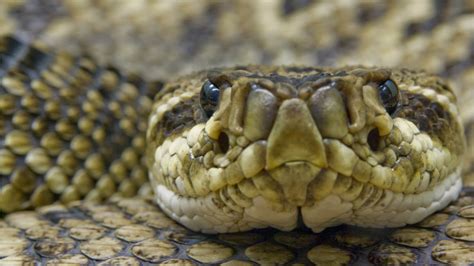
<point>56,132</point>
<point>71,127</point>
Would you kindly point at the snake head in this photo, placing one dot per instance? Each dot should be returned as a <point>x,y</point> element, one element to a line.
<point>251,147</point>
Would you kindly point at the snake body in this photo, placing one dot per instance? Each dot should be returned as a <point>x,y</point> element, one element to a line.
<point>233,149</point>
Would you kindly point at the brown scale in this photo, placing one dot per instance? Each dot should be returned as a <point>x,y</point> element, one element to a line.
<point>87,129</point>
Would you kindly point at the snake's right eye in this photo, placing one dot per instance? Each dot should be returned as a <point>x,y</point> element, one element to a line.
<point>209,97</point>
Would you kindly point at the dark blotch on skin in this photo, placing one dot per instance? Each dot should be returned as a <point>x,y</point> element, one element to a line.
<point>417,109</point>
<point>331,54</point>
<point>371,11</point>
<point>11,46</point>
<point>430,117</point>
<point>184,115</point>
<point>458,65</point>
<point>36,59</point>
<point>32,18</point>
<point>442,12</point>
<point>198,31</point>
<point>292,6</point>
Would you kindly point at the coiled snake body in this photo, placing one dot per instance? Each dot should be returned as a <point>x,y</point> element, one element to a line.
<point>228,150</point>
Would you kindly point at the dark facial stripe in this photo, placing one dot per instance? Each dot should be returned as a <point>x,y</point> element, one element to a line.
<point>184,115</point>
<point>431,118</point>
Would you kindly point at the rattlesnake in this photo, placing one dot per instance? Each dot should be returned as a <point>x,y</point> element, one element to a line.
<point>389,142</point>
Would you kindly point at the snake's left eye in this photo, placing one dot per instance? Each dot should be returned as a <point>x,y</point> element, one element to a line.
<point>209,97</point>
<point>388,92</point>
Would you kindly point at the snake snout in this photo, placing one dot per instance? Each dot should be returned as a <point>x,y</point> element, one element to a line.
<point>301,128</point>
<point>294,137</point>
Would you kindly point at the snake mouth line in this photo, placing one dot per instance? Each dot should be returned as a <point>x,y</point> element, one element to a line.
<point>381,208</point>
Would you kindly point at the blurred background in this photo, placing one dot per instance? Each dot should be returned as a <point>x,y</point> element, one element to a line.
<point>162,39</point>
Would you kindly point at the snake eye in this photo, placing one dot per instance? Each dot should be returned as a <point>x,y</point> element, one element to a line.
<point>388,92</point>
<point>209,97</point>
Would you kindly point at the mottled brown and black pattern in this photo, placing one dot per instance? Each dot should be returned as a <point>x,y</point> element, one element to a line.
<point>182,117</point>
<point>432,118</point>
<point>160,40</point>
<point>58,109</point>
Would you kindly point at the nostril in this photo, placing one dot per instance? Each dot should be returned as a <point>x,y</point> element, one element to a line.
<point>373,139</point>
<point>223,142</point>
